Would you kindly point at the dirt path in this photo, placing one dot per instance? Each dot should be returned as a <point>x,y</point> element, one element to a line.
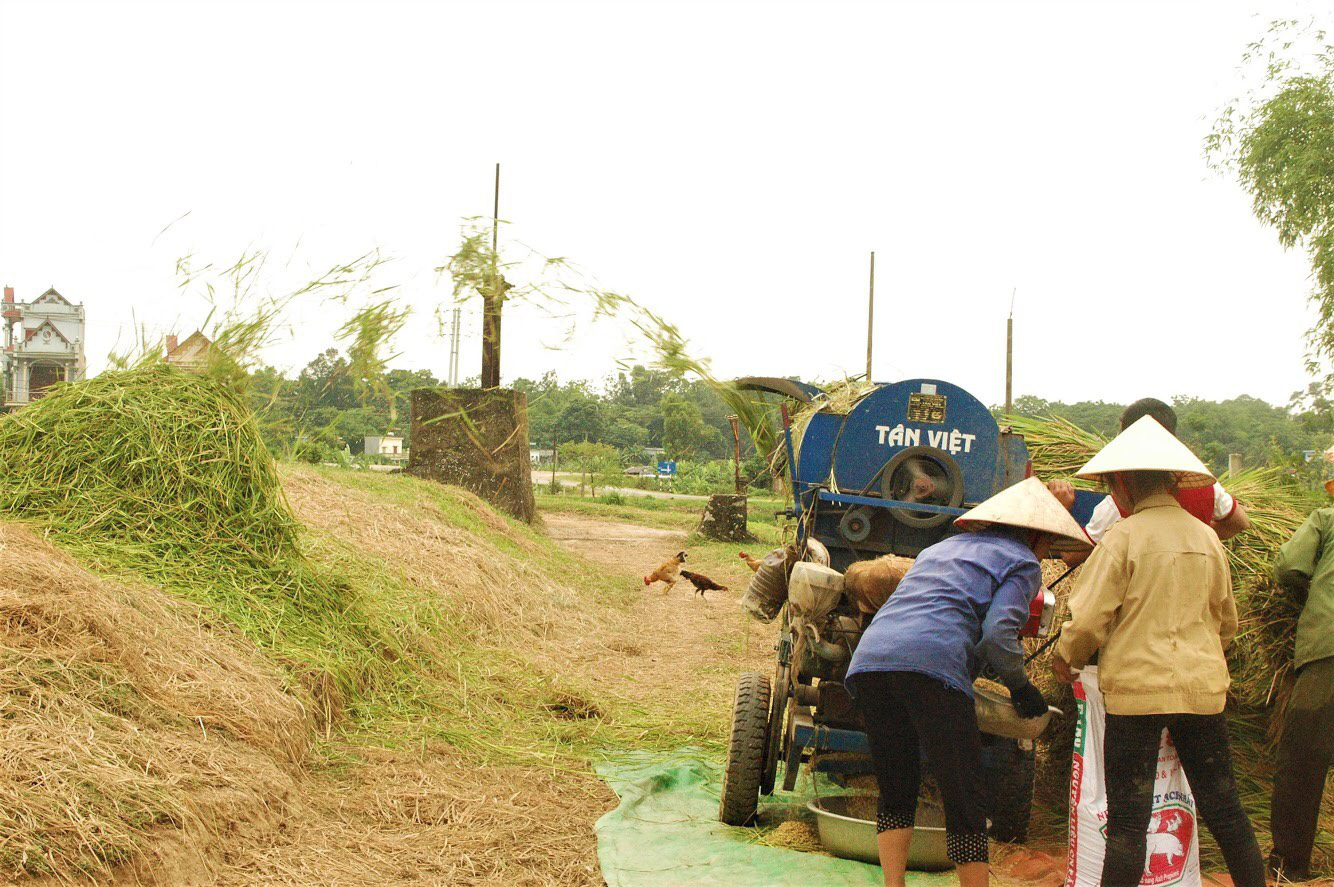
<point>677,651</point>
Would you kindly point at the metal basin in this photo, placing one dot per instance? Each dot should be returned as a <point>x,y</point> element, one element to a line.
<point>996,715</point>
<point>854,838</point>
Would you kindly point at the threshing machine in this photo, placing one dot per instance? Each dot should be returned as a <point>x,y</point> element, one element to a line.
<point>885,476</point>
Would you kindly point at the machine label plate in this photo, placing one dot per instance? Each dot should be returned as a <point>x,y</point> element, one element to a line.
<point>926,408</point>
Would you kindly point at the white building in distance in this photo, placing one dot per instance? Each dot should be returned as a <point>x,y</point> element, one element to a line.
<point>44,342</point>
<point>390,445</point>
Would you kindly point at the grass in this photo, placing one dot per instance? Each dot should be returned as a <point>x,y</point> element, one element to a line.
<point>159,476</point>
<point>660,512</point>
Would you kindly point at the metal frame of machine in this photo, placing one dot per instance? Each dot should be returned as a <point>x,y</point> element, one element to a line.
<point>885,477</point>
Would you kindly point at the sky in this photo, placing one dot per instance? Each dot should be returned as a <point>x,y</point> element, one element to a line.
<point>731,165</point>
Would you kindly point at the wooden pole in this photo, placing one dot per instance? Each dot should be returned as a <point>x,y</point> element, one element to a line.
<point>870,317</point>
<point>1233,464</point>
<point>1009,356</point>
<point>736,450</point>
<point>491,303</point>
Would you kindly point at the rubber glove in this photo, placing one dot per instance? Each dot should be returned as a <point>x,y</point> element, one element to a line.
<point>1028,701</point>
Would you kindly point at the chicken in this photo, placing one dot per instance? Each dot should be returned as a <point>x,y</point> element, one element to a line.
<point>753,563</point>
<point>668,571</point>
<point>701,582</point>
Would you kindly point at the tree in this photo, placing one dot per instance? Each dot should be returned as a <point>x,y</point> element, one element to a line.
<point>595,461</point>
<point>580,419</point>
<point>684,433</point>
<point>1279,141</point>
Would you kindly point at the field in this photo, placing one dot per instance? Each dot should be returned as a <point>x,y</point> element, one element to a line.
<point>218,669</point>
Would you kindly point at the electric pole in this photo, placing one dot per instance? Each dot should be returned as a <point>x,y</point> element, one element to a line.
<point>870,318</point>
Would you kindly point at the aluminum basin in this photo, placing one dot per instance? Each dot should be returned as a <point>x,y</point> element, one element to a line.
<point>854,838</point>
<point>996,715</point>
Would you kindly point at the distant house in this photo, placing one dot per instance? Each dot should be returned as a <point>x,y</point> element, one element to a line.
<point>540,457</point>
<point>388,445</point>
<point>43,345</point>
<point>193,354</point>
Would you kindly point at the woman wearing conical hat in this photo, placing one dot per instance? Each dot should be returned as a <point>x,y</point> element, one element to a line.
<point>961,605</point>
<point>1155,602</point>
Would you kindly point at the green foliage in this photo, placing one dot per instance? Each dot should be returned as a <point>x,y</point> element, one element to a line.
<point>684,432</point>
<point>1278,139</point>
<point>597,462</point>
<point>368,333</point>
<point>580,419</point>
<point>1264,434</point>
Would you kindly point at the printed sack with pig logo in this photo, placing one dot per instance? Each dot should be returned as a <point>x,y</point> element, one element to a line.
<point>1173,847</point>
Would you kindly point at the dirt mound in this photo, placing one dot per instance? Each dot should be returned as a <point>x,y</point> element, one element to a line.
<point>130,720</point>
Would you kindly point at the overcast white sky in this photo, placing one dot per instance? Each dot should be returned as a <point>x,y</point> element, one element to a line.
<point>730,164</point>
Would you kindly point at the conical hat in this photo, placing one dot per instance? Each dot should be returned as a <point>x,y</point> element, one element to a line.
<point>1027,504</point>
<point>1148,446</point>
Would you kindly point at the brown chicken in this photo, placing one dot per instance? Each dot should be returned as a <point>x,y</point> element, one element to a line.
<point>669,571</point>
<point>701,582</point>
<point>752,562</point>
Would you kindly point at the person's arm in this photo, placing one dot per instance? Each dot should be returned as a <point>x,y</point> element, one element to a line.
<point>1298,556</point>
<point>1104,517</point>
<point>1005,618</point>
<point>1230,516</point>
<point>1075,558</point>
<point>1095,602</point>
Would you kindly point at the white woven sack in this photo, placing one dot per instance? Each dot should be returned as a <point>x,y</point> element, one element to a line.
<point>1173,847</point>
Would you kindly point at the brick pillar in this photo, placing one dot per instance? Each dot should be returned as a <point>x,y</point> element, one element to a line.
<point>476,439</point>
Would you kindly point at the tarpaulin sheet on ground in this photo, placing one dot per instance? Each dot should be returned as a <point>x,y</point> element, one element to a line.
<point>666,832</point>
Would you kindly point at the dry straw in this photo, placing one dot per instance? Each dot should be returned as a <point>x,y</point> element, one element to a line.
<point>126,712</point>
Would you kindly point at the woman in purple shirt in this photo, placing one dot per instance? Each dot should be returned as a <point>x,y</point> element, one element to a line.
<point>961,605</point>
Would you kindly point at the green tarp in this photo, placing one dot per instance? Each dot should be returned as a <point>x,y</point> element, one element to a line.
<point>666,832</point>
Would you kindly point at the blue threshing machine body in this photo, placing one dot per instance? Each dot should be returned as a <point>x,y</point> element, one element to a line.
<point>888,476</point>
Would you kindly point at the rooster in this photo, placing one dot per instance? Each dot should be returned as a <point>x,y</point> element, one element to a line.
<point>668,571</point>
<point>752,562</point>
<point>701,582</point>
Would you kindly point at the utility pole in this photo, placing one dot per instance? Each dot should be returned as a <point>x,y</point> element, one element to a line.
<point>456,317</point>
<point>491,302</point>
<point>870,318</point>
<point>1009,356</point>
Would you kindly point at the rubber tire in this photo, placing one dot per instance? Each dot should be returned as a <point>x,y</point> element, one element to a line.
<point>745,752</point>
<point>1010,777</point>
<point>774,731</point>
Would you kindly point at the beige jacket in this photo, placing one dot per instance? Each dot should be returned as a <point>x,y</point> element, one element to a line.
<point>1156,599</point>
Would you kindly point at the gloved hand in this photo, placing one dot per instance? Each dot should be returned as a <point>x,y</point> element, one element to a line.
<point>1028,701</point>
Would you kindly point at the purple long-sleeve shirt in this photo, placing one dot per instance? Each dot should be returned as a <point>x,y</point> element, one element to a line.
<point>963,603</point>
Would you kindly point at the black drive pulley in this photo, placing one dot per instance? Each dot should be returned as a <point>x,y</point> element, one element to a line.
<point>922,475</point>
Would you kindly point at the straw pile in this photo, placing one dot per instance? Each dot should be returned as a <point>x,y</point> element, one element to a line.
<point>128,715</point>
<point>158,475</point>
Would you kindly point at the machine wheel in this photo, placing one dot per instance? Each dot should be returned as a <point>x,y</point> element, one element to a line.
<point>745,752</point>
<point>773,744</point>
<point>1010,769</point>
